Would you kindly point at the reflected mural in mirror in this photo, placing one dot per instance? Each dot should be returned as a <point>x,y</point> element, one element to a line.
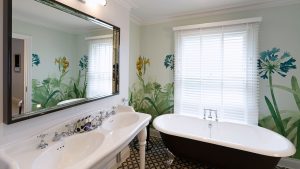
<point>59,57</point>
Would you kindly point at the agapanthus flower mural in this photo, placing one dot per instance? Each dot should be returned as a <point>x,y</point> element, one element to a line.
<point>83,63</point>
<point>286,122</point>
<point>169,61</point>
<point>35,59</point>
<point>270,62</point>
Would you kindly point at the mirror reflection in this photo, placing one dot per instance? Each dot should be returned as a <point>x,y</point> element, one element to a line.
<point>58,59</point>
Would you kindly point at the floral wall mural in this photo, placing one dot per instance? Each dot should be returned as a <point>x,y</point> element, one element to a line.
<point>156,99</point>
<point>150,96</point>
<point>285,122</point>
<point>35,60</point>
<point>56,88</point>
<point>279,79</point>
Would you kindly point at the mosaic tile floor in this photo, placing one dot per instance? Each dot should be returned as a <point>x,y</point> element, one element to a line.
<point>156,159</point>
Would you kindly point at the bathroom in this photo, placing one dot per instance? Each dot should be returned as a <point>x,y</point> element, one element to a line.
<point>150,101</point>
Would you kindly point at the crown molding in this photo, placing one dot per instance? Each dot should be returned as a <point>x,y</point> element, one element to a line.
<point>136,20</point>
<point>128,4</point>
<point>216,11</point>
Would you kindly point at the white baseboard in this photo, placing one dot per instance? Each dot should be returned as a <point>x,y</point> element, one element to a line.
<point>289,163</point>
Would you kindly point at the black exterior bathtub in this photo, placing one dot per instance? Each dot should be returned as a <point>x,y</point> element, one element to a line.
<point>222,145</point>
<point>217,156</point>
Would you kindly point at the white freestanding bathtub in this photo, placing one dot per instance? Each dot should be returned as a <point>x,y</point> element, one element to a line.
<point>222,144</point>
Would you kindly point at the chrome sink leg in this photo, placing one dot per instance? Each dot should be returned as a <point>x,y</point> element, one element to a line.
<point>142,142</point>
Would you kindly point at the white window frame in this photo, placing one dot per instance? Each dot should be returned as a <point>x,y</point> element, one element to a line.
<point>250,116</point>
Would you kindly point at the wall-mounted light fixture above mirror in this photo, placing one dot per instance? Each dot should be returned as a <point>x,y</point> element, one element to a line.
<point>55,57</point>
<point>100,2</point>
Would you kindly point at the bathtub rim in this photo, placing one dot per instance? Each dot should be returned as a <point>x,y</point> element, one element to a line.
<point>291,150</point>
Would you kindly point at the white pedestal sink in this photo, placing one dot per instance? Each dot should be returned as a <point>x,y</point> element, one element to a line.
<point>90,150</point>
<point>118,122</point>
<point>69,151</point>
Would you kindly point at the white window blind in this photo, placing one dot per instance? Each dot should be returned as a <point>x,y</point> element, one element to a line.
<point>100,69</point>
<point>216,68</point>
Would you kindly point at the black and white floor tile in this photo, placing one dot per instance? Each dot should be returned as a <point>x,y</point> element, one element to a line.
<point>156,158</point>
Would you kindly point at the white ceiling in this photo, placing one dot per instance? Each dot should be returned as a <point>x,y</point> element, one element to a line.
<point>152,11</point>
<point>37,13</point>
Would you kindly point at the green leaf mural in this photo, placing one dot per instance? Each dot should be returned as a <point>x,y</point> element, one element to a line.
<point>285,122</point>
<point>151,97</point>
<point>295,87</point>
<point>49,92</point>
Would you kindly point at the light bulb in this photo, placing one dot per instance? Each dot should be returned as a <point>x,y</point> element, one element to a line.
<point>93,2</point>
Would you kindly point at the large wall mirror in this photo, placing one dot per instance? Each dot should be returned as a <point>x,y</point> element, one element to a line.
<point>55,57</point>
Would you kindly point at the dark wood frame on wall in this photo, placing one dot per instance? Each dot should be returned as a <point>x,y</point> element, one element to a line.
<point>7,69</point>
<point>7,36</point>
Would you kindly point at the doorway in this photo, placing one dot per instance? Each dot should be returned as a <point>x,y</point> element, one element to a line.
<point>21,74</point>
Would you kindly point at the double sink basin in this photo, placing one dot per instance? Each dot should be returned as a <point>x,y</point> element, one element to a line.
<point>87,150</point>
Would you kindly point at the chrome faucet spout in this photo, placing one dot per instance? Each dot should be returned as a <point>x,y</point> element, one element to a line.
<point>58,137</point>
<point>204,113</point>
<point>42,144</point>
<point>216,114</point>
<point>210,111</point>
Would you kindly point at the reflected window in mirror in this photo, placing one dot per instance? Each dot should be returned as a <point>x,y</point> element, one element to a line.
<point>100,76</point>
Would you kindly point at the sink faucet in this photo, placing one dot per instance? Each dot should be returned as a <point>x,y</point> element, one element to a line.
<point>42,144</point>
<point>58,137</point>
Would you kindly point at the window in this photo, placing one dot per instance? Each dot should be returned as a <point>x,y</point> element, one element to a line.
<point>216,68</point>
<point>100,67</point>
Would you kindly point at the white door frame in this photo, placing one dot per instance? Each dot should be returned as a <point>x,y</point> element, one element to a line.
<point>27,70</point>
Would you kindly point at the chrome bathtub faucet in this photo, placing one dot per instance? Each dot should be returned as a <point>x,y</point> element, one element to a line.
<point>216,114</point>
<point>210,114</point>
<point>42,144</point>
<point>204,113</point>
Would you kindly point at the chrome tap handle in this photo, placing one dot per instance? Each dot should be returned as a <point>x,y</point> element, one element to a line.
<point>71,128</point>
<point>107,114</point>
<point>56,137</point>
<point>102,115</point>
<point>216,114</point>
<point>204,114</point>
<point>114,108</point>
<point>42,136</point>
<point>96,121</point>
<point>210,116</point>
<point>42,144</point>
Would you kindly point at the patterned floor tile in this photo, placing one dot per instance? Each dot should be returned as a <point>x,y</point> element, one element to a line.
<point>156,159</point>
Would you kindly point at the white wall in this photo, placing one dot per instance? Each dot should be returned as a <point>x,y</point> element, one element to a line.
<point>49,44</point>
<point>134,50</point>
<point>112,13</point>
